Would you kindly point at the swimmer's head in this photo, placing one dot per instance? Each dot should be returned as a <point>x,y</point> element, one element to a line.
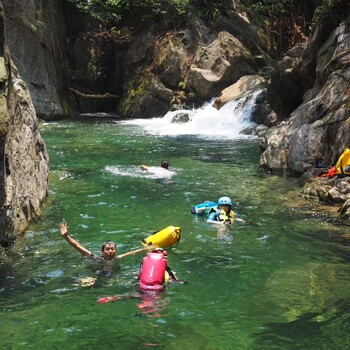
<point>164,164</point>
<point>108,250</point>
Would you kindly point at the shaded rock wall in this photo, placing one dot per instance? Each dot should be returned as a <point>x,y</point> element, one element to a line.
<point>24,159</point>
<point>35,35</point>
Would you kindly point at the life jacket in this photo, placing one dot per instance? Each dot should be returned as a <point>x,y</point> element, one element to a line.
<point>226,218</point>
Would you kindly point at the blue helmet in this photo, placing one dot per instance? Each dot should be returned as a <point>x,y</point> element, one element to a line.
<point>225,200</point>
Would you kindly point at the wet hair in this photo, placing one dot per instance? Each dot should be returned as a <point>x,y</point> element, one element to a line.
<point>164,164</point>
<point>108,242</point>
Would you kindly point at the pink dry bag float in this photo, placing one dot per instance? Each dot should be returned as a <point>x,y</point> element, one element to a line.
<point>152,271</point>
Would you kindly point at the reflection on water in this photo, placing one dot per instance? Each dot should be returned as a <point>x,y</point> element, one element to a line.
<point>277,280</point>
<point>152,304</point>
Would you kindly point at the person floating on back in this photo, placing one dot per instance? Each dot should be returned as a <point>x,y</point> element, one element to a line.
<point>223,213</point>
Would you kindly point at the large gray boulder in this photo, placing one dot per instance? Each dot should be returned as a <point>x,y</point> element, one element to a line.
<point>295,74</point>
<point>146,97</point>
<point>320,127</point>
<point>190,66</point>
<point>246,84</point>
<point>219,64</point>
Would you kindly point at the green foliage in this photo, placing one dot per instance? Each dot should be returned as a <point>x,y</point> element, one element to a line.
<point>339,9</point>
<point>288,20</point>
<point>274,8</point>
<point>116,10</point>
<point>210,10</point>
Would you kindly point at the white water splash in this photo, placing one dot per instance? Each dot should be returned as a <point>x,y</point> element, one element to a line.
<point>207,121</point>
<point>134,171</point>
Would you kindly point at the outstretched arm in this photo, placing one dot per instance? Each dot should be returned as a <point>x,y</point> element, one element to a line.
<point>132,252</point>
<point>239,219</point>
<point>144,167</point>
<point>73,242</point>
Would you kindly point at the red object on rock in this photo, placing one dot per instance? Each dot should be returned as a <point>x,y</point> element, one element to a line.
<point>332,171</point>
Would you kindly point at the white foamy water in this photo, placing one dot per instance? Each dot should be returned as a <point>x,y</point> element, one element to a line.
<point>206,121</point>
<point>134,171</point>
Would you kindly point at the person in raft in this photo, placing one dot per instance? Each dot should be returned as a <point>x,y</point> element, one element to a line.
<point>163,164</point>
<point>108,247</point>
<point>224,211</point>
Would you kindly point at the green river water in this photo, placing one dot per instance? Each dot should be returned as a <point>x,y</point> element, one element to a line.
<point>279,280</point>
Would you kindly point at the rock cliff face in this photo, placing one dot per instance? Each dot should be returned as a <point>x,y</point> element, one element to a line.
<point>24,160</point>
<point>35,35</point>
<point>190,66</point>
<point>71,66</point>
<point>319,128</point>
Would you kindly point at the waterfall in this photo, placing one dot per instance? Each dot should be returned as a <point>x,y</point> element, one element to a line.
<point>206,121</point>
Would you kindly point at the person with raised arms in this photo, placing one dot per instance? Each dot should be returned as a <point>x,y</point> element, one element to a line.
<point>109,248</point>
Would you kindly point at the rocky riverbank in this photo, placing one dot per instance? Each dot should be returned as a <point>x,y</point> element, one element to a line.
<point>331,191</point>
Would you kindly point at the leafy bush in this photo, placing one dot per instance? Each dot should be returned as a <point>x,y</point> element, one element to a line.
<point>339,9</point>
<point>115,10</point>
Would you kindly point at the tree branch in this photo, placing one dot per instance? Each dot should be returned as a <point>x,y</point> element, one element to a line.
<point>93,96</point>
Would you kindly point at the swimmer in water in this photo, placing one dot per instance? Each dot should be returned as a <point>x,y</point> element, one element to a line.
<point>108,248</point>
<point>163,164</point>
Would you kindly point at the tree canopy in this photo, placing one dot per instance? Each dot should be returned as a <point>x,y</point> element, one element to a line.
<point>146,9</point>
<point>290,21</point>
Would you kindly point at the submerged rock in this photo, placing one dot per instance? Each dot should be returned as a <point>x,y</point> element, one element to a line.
<point>307,289</point>
<point>180,118</point>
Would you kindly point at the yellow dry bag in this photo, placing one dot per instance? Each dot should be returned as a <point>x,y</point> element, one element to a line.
<point>343,163</point>
<point>165,238</point>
